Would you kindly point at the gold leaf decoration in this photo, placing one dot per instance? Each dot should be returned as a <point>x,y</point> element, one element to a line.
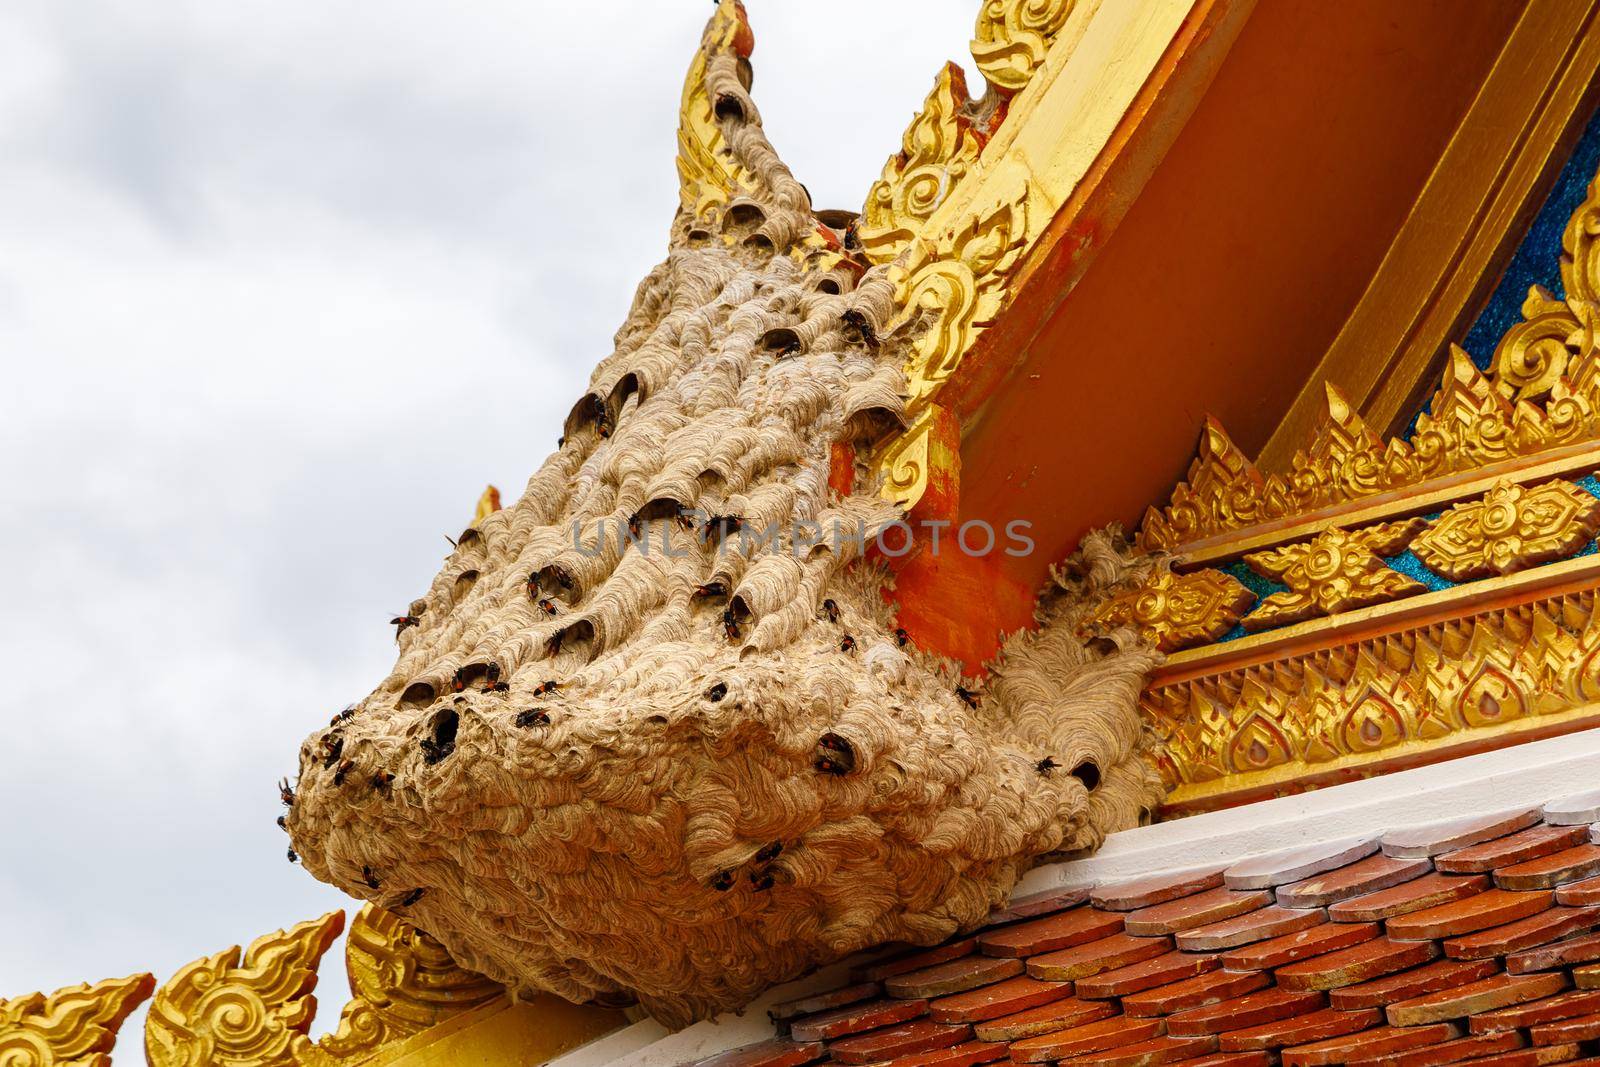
<point>707,174</point>
<point>1398,696</point>
<point>1012,37</point>
<point>1176,610</point>
<point>224,1011</point>
<point>402,982</point>
<point>72,1027</point>
<point>1542,391</point>
<point>938,149</point>
<point>1335,571</point>
<point>1513,527</point>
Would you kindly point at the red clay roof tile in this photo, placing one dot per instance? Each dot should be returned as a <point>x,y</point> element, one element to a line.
<point>1001,998</point>
<point>1465,1048</point>
<point>893,1041</point>
<point>1524,845</point>
<point>1426,892</point>
<point>1185,913</point>
<point>1537,1056</point>
<point>1561,954</point>
<point>1211,988</point>
<point>855,1019</point>
<point>1232,1059</point>
<point>1045,1019</point>
<point>1581,1028</point>
<point>1379,1041</point>
<point>1080,961</point>
<point>1155,889</point>
<point>1486,994</point>
<point>1492,907</point>
<point>1082,1040</point>
<point>1294,864</point>
<point>1146,1053</point>
<point>877,970</point>
<point>956,976</point>
<point>1366,876</point>
<point>1036,905</point>
<point>964,1055</point>
<point>1454,834</point>
<point>1328,937</point>
<point>1159,971</point>
<point>1271,921</point>
<point>1534,1012</point>
<point>826,1001</point>
<point>1062,930</point>
<point>1540,928</point>
<point>1445,974</point>
<point>1580,893</point>
<point>1547,872</point>
<point>1358,963</point>
<point>1300,1029</point>
<point>1252,1009</point>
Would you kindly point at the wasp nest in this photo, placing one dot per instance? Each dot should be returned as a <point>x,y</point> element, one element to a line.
<point>630,751</point>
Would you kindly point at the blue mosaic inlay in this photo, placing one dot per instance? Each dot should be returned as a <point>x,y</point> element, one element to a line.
<point>1408,564</point>
<point>1537,259</point>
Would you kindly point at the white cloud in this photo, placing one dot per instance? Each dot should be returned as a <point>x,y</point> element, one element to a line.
<point>282,285</point>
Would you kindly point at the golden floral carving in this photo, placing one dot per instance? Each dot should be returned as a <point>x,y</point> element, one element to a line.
<point>938,149</point>
<point>707,173</point>
<point>1335,571</point>
<point>72,1027</point>
<point>1012,37</point>
<point>1542,391</point>
<point>954,289</point>
<point>1176,610</point>
<point>402,981</point>
<point>222,1010</point>
<point>1382,698</point>
<point>1511,528</point>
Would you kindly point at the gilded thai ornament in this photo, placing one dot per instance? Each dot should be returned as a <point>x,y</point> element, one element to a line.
<point>708,175</point>
<point>1529,666</point>
<point>1012,37</point>
<point>938,149</point>
<point>1335,571</point>
<point>1542,391</point>
<point>402,981</point>
<point>1513,527</point>
<point>72,1027</point>
<point>224,1011</point>
<point>1176,611</point>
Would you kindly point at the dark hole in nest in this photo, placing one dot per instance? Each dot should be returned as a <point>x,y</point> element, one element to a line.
<point>469,535</point>
<point>442,741</point>
<point>834,755</point>
<point>761,243</point>
<point>717,692</point>
<point>829,286</point>
<point>417,695</point>
<point>464,583</point>
<point>782,340</point>
<point>1088,772</point>
<point>727,106</point>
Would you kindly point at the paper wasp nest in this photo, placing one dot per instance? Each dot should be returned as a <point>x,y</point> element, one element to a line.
<point>689,782</point>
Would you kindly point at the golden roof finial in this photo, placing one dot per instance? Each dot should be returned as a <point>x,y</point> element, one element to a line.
<point>706,173</point>
<point>72,1027</point>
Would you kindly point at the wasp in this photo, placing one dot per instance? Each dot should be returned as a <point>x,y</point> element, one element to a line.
<point>332,748</point>
<point>603,426</point>
<point>902,637</point>
<point>830,610</point>
<point>635,524</point>
<point>292,856</point>
<point>686,518</point>
<point>710,589</point>
<point>369,879</point>
<point>344,769</point>
<point>762,880</point>
<point>770,852</point>
<point>491,675</point>
<point>344,716</point>
<point>545,688</point>
<point>722,881</point>
<point>382,779</point>
<point>547,605</point>
<point>499,687</point>
<point>723,526</point>
<point>402,623</point>
<point>789,349</point>
<point>834,755</point>
<point>458,681</point>
<point>286,794</point>
<point>283,824</point>
<point>968,697</point>
<point>434,751</point>
<point>717,692</point>
<point>411,897</point>
<point>533,717</point>
<point>868,335</point>
<point>848,644</point>
<point>730,625</point>
<point>1045,766</point>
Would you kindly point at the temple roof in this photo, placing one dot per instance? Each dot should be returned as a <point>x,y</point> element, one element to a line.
<point>1466,940</point>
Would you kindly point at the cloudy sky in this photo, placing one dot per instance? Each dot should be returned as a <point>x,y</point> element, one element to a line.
<point>283,284</point>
